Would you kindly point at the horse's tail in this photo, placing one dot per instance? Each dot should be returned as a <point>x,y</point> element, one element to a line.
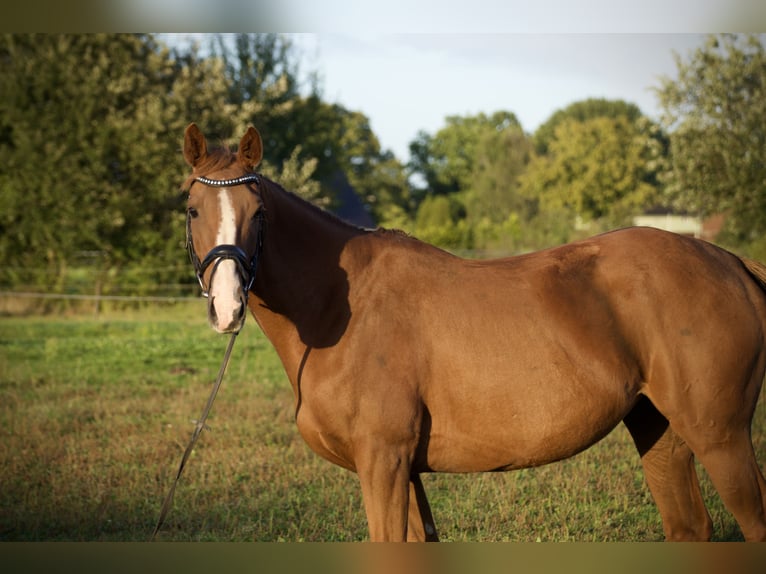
<point>756,270</point>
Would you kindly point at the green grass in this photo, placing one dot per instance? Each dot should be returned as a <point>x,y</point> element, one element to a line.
<point>95,414</point>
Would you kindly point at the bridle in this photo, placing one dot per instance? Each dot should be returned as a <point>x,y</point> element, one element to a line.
<point>246,267</point>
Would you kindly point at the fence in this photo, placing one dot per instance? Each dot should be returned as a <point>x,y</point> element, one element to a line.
<point>25,303</point>
<point>34,290</point>
<point>88,285</point>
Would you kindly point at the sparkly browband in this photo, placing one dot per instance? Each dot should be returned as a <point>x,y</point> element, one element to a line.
<point>247,178</point>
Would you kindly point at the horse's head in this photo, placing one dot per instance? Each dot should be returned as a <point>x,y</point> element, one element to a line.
<point>224,222</point>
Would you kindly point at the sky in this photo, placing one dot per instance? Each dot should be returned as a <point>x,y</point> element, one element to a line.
<point>408,64</point>
<point>409,82</point>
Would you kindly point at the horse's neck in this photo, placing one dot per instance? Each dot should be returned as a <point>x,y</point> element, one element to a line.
<point>301,234</point>
<point>301,290</point>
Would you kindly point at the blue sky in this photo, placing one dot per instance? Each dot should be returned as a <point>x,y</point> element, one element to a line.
<point>408,64</point>
<point>410,82</point>
<point>407,82</point>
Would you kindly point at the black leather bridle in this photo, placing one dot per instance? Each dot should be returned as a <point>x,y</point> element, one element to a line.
<point>245,266</point>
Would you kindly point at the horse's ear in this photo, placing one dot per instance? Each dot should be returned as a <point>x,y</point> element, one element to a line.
<point>195,147</point>
<point>250,152</point>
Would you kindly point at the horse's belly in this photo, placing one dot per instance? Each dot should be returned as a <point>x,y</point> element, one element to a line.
<point>476,439</point>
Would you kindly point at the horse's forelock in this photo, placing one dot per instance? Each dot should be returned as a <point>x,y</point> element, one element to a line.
<point>218,158</point>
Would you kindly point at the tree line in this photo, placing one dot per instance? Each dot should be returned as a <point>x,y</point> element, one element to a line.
<point>91,125</point>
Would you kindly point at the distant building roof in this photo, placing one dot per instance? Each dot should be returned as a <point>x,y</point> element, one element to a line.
<point>348,205</point>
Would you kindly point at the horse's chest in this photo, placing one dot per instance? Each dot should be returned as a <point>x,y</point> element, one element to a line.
<point>326,436</point>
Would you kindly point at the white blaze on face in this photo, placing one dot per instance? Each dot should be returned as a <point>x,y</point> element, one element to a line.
<point>225,291</point>
<point>227,229</point>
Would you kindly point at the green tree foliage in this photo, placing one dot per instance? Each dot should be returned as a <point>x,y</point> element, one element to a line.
<point>90,132</point>
<point>295,175</point>
<point>345,144</point>
<point>90,165</point>
<point>600,168</point>
<point>475,161</point>
<point>715,113</point>
<point>263,80</point>
<point>201,94</point>
<point>441,220</point>
<point>592,165</point>
<point>580,112</point>
<point>596,165</point>
<point>500,158</point>
<point>445,162</point>
<point>298,126</point>
<point>91,127</point>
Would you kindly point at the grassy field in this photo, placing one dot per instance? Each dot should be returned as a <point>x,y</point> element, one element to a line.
<point>96,412</point>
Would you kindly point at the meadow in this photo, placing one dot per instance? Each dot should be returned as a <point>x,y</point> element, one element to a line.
<point>95,412</point>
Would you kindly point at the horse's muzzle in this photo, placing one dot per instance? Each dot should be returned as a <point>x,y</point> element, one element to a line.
<point>227,318</point>
<point>227,300</point>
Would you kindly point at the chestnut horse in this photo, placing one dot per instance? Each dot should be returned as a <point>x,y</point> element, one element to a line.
<point>405,359</point>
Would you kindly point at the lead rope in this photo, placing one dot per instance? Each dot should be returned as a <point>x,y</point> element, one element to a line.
<point>195,435</point>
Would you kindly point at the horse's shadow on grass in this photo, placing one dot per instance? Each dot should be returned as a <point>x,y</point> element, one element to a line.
<point>728,533</point>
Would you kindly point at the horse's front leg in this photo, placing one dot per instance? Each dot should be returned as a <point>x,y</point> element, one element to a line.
<point>384,473</point>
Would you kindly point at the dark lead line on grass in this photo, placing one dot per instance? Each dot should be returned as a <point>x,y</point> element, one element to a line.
<point>199,425</point>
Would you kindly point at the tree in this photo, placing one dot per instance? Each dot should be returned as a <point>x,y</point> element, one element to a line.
<point>322,141</point>
<point>446,161</point>
<point>600,168</point>
<point>441,220</point>
<point>89,165</point>
<point>474,161</point>
<point>343,146</point>
<point>715,114</point>
<point>264,81</point>
<point>90,129</point>
<point>580,112</point>
<point>387,192</point>
<point>501,157</point>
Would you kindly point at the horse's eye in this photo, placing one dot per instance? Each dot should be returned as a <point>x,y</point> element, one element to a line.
<point>192,212</point>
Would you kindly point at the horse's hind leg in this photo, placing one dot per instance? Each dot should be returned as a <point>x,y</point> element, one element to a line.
<point>732,467</point>
<point>714,419</point>
<point>669,469</point>
<point>420,521</point>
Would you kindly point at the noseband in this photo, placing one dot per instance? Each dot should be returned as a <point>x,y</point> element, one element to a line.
<point>245,267</point>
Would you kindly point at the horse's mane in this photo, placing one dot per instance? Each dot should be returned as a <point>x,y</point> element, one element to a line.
<point>394,234</point>
<point>273,186</point>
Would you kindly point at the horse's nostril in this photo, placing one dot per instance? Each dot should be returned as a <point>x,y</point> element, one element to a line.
<point>212,313</point>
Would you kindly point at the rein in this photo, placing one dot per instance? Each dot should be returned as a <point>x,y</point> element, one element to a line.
<point>195,435</point>
<point>247,269</point>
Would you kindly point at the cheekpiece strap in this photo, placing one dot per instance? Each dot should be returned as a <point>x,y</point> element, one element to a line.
<point>247,178</point>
